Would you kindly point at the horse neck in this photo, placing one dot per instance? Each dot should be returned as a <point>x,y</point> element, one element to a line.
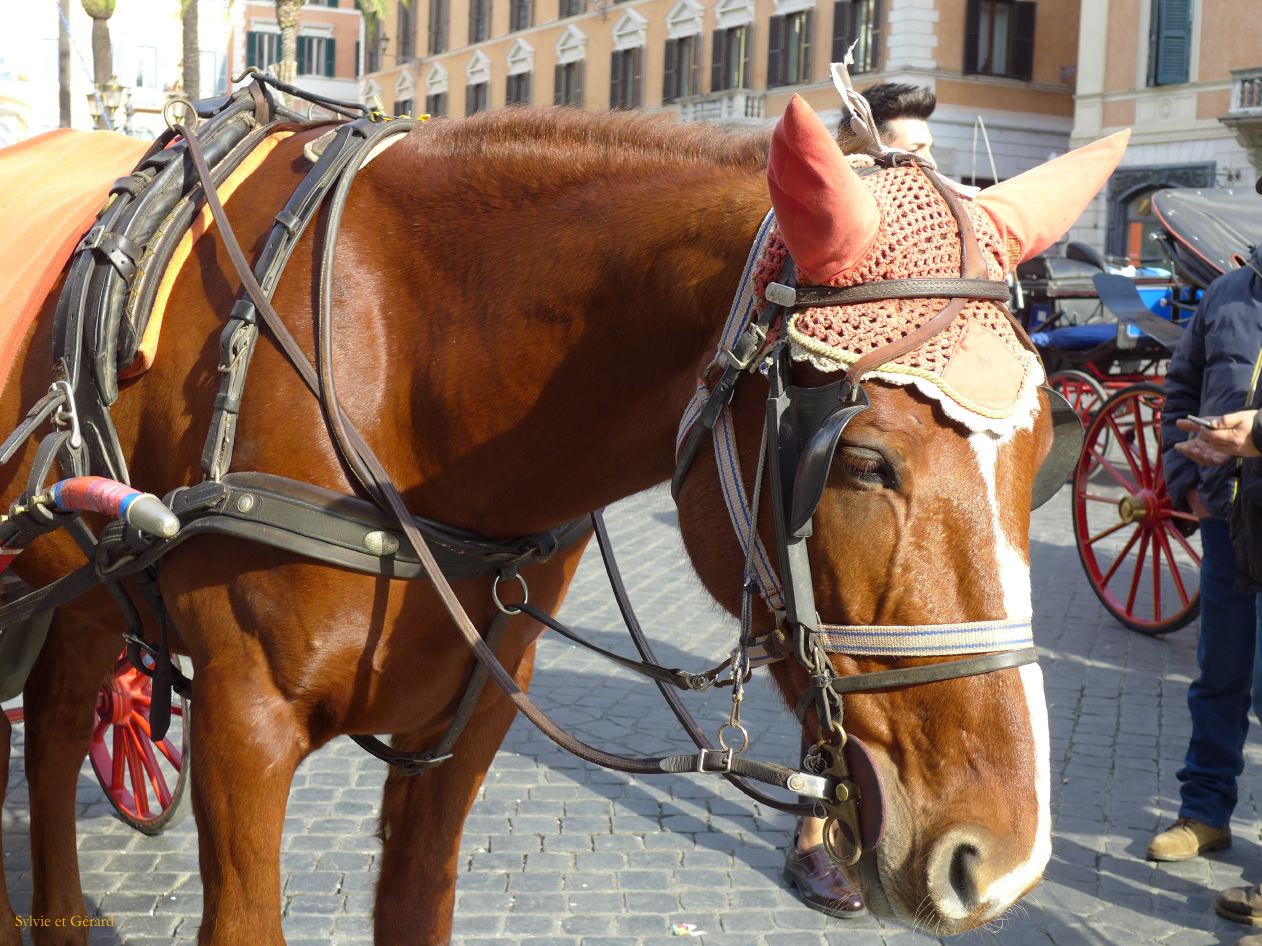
<point>555,383</point>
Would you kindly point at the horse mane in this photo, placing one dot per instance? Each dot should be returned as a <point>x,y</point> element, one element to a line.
<point>575,138</point>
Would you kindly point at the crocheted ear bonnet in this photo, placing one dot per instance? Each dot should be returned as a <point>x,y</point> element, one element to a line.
<point>979,368</point>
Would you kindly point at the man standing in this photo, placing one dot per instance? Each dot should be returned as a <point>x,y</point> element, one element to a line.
<point>901,113</point>
<point>1210,374</point>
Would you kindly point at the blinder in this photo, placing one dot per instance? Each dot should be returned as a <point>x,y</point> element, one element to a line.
<point>810,430</point>
<point>1060,461</point>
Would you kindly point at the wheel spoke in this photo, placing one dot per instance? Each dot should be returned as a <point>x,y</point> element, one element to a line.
<point>118,760</point>
<point>1156,576</point>
<point>156,777</point>
<point>1096,498</point>
<point>1141,439</point>
<point>1187,546</point>
<point>1125,447</point>
<point>1121,557</point>
<point>1107,532</point>
<point>1175,575</point>
<point>137,768</point>
<point>173,755</point>
<point>1113,471</point>
<point>1139,570</point>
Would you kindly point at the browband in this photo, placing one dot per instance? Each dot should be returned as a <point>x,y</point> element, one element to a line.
<point>931,288</point>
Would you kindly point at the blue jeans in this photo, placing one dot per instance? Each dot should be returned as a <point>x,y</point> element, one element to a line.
<point>1219,698</point>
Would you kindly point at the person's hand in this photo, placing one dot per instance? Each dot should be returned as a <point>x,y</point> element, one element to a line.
<point>1213,446</point>
<point>1197,505</point>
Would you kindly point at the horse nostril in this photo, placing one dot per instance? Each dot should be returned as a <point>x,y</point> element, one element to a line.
<point>963,874</point>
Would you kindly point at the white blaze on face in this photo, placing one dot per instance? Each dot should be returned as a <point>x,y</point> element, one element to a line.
<point>1014,578</point>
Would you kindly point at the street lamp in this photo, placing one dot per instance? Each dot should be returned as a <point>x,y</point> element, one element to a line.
<point>106,101</point>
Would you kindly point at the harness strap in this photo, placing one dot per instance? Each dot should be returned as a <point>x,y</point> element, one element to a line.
<point>925,640</point>
<point>923,288</point>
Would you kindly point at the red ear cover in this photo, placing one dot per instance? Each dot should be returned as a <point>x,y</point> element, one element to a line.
<point>828,219</point>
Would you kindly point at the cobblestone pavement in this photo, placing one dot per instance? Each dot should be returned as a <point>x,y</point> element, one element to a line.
<point>557,852</point>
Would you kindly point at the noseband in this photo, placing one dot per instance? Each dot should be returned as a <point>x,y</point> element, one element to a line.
<point>803,428</point>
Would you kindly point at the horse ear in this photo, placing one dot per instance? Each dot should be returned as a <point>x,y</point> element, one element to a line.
<point>1033,210</point>
<point>828,219</point>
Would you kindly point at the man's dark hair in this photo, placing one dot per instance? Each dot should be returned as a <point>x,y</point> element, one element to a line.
<point>891,100</point>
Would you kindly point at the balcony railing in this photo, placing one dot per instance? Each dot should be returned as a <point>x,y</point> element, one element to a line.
<point>1246,93</point>
<point>735,105</point>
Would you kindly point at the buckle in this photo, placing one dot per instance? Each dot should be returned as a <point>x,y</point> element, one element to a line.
<point>92,239</point>
<point>724,754</point>
<point>777,293</point>
<point>742,354</point>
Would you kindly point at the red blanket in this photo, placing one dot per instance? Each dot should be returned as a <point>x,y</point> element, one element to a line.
<point>51,188</point>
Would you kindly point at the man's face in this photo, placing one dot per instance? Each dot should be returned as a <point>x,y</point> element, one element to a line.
<point>910,134</point>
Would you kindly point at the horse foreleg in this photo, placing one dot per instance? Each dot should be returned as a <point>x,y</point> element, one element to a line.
<point>247,743</point>
<point>422,819</point>
<point>58,704</point>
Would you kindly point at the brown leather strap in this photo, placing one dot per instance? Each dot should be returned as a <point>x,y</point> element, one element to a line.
<point>945,287</point>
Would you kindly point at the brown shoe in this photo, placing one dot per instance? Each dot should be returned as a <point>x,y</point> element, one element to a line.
<point>821,884</point>
<point>1240,905</point>
<point>1186,839</point>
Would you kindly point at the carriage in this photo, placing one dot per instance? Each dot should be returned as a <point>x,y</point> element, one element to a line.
<point>1106,334</point>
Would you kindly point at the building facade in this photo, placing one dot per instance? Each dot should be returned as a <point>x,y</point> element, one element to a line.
<point>330,44</point>
<point>1012,62</point>
<point>1186,75</point>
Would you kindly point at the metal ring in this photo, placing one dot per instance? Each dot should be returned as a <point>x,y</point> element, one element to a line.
<point>723,737</point>
<point>171,119</point>
<point>510,609</point>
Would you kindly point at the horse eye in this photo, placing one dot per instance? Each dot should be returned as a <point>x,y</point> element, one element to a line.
<point>863,463</point>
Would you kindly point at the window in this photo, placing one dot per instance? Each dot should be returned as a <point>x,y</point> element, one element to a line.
<point>568,89</point>
<point>683,68</point>
<point>317,56</point>
<point>479,20</point>
<point>789,48</point>
<point>858,22</point>
<point>520,14</point>
<point>476,97</point>
<point>730,69</point>
<point>626,83</point>
<point>518,90</point>
<point>406,30</point>
<point>262,50</point>
<point>999,38</point>
<point>439,20</point>
<point>1169,42</point>
<point>570,8</point>
<point>436,104</point>
<point>404,106</point>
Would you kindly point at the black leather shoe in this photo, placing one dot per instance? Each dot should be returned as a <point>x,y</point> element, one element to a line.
<point>820,883</point>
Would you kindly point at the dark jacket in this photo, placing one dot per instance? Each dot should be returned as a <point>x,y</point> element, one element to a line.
<point>1212,373</point>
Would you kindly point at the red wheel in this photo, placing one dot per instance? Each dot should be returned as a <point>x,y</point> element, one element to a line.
<point>144,780</point>
<point>1083,392</point>
<point>1141,555</point>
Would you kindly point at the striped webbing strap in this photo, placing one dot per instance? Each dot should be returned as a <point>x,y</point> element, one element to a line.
<point>926,640</point>
<point>744,307</point>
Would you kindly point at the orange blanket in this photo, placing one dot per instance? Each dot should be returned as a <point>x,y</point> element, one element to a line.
<point>51,188</point>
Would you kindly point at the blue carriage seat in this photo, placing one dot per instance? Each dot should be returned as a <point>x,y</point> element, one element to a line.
<point>1075,337</point>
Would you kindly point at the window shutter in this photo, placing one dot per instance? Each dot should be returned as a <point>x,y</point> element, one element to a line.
<point>1174,36</point>
<point>473,23</point>
<point>303,42</point>
<point>579,68</point>
<point>745,39</point>
<point>670,72</point>
<point>468,100</point>
<point>718,66</point>
<point>972,35</point>
<point>527,80</point>
<point>558,86</point>
<point>637,77</point>
<point>844,28</point>
<point>692,86</point>
<point>251,49</point>
<point>874,43</point>
<point>1021,61</point>
<point>330,57</point>
<point>808,30</point>
<point>616,90</point>
<point>775,52</point>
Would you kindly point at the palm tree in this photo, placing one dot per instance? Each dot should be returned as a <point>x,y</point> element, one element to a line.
<point>192,51</point>
<point>374,12</point>
<point>63,63</point>
<point>287,16</point>
<point>102,49</point>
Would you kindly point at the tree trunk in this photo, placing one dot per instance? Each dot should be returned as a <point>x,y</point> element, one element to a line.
<point>287,12</point>
<point>63,64</point>
<point>371,27</point>
<point>192,53</point>
<point>102,49</point>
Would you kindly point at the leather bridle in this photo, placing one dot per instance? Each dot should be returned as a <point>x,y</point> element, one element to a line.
<point>803,428</point>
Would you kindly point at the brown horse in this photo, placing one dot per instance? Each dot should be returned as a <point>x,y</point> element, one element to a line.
<point>524,302</point>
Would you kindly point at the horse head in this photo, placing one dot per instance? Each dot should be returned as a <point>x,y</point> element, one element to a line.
<point>916,426</point>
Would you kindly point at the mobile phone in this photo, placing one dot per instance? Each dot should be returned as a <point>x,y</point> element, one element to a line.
<point>1200,420</point>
